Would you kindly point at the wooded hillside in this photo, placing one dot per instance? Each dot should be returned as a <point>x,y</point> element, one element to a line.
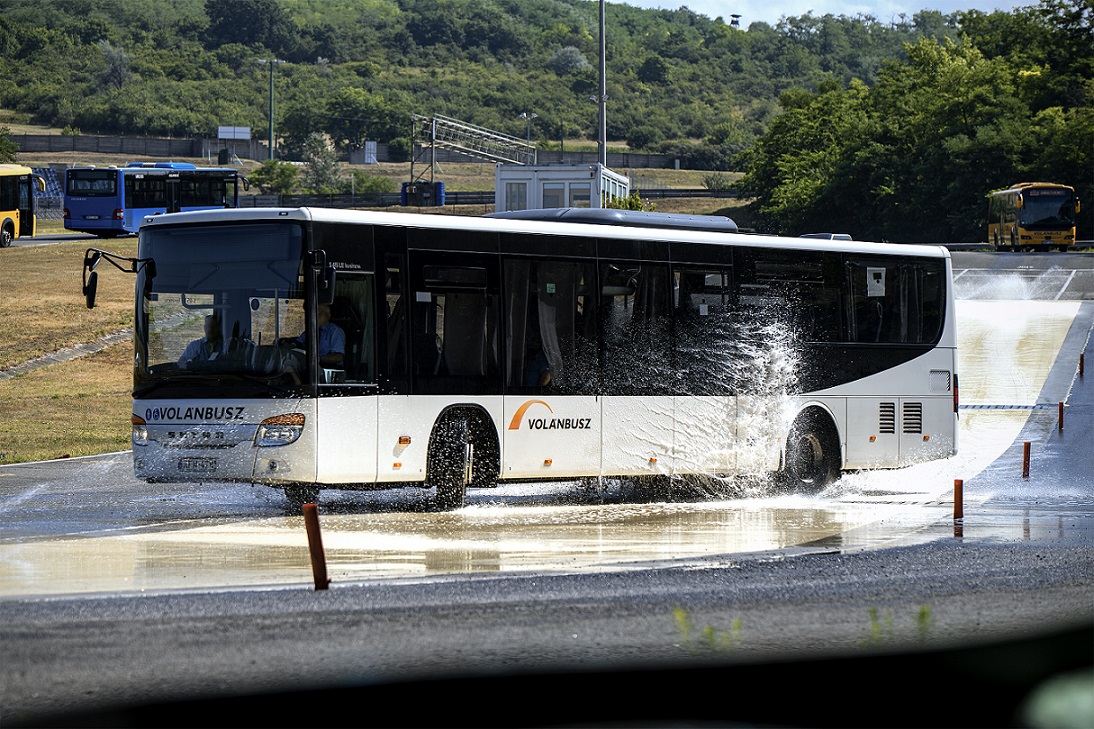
<point>854,118</point>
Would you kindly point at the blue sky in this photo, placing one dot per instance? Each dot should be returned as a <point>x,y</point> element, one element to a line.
<point>766,11</point>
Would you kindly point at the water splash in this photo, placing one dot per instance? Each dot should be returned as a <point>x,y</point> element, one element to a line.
<point>730,434</point>
<point>1011,286</point>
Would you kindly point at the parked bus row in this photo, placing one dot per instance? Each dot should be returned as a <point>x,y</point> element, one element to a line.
<point>112,201</point>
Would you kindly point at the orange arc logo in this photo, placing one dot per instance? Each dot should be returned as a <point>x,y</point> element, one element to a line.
<point>514,424</point>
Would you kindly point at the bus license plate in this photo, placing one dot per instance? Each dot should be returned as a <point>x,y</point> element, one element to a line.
<point>197,465</point>
<point>91,217</point>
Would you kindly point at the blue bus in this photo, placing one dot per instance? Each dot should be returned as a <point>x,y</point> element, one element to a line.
<point>112,201</point>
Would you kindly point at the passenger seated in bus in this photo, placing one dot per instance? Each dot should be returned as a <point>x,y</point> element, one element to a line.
<point>206,348</point>
<point>537,372</point>
<point>332,340</point>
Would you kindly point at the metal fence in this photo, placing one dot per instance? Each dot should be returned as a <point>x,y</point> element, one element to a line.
<point>49,207</point>
<point>474,197</point>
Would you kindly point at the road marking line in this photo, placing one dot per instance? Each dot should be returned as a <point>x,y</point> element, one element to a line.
<point>1066,284</point>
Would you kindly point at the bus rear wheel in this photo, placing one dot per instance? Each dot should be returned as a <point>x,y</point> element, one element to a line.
<point>812,458</point>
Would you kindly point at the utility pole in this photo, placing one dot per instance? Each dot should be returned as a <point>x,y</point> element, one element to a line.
<point>272,63</point>
<point>602,134</point>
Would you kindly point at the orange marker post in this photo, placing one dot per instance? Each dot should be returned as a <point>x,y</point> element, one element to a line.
<point>958,499</point>
<point>1060,421</point>
<point>315,546</point>
<point>1025,459</point>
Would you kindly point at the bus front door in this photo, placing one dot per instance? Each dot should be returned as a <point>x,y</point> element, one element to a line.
<point>27,205</point>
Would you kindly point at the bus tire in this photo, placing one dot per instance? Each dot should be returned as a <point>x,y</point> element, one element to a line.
<point>451,460</point>
<point>299,494</point>
<point>812,459</point>
<point>7,235</point>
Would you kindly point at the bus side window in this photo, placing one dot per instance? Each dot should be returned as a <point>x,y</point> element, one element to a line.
<point>705,341</point>
<point>550,328</point>
<point>394,303</point>
<point>352,311</point>
<point>896,301</point>
<point>800,292</point>
<point>454,325</point>
<point>636,329</point>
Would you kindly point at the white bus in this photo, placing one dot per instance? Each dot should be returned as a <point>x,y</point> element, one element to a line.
<point>479,350</point>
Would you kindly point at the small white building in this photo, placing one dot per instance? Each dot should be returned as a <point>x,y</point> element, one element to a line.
<point>529,187</point>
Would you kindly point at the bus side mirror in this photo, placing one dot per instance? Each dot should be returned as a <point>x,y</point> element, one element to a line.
<point>1077,211</point>
<point>1018,203</point>
<point>246,183</point>
<point>90,287</point>
<point>91,276</point>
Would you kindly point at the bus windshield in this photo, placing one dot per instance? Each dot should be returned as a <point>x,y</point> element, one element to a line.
<point>225,306</point>
<point>1048,209</point>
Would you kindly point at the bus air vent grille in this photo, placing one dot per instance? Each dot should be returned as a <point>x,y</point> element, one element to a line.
<point>887,417</point>
<point>913,417</point>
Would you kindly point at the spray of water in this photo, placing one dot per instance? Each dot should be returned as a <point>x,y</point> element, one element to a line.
<point>729,436</point>
<point>1045,285</point>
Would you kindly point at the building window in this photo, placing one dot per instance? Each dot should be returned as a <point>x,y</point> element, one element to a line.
<point>580,196</point>
<point>516,195</point>
<point>554,194</point>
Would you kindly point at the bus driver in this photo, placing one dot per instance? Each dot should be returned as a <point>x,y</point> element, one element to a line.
<point>332,340</point>
<point>206,348</point>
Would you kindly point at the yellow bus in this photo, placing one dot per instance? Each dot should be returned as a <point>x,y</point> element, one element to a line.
<point>17,204</point>
<point>1032,215</point>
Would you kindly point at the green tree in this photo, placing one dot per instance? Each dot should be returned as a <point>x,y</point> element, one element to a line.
<point>252,23</point>
<point>117,70</point>
<point>321,168</point>
<point>354,116</point>
<point>361,182</point>
<point>7,147</point>
<point>568,60</point>
<point>275,177</point>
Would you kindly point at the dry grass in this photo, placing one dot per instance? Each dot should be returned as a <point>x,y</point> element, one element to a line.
<point>42,306</point>
<point>73,408</point>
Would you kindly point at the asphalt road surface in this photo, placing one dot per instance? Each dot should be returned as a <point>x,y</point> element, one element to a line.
<point>588,605</point>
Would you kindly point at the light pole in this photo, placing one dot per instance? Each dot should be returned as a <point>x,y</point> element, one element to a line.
<point>272,63</point>
<point>528,116</point>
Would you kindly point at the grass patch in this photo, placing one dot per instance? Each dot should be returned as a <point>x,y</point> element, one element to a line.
<point>707,639</point>
<point>42,304</point>
<point>74,408</point>
<point>50,227</point>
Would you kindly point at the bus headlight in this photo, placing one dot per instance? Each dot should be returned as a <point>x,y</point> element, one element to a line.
<point>279,430</point>
<point>140,431</point>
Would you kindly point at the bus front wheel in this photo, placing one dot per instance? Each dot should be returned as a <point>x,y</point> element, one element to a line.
<point>299,494</point>
<point>451,461</point>
<point>812,459</point>
<point>6,236</point>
